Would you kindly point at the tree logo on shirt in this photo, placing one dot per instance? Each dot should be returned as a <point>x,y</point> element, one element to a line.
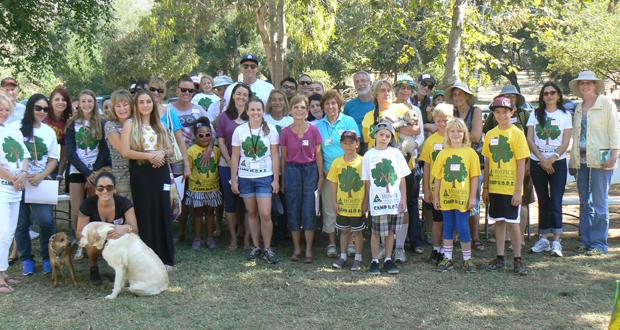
<point>205,102</point>
<point>210,167</point>
<point>85,139</point>
<point>502,151</point>
<point>434,154</point>
<point>349,180</point>
<point>547,132</point>
<point>38,149</point>
<point>451,173</point>
<point>254,147</point>
<point>384,174</point>
<point>13,150</point>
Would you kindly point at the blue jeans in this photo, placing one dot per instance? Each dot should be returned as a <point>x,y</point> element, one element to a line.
<point>44,215</point>
<point>413,192</point>
<point>300,182</point>
<point>458,219</point>
<point>550,191</point>
<point>593,187</point>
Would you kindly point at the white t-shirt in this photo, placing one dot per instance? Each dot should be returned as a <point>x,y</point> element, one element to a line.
<point>214,111</point>
<point>18,114</point>
<point>205,100</point>
<point>549,137</point>
<point>285,121</point>
<point>86,145</point>
<point>260,88</point>
<point>384,169</point>
<point>255,153</point>
<point>45,146</point>
<point>12,155</point>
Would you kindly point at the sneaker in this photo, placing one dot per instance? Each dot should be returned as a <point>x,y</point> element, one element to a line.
<point>270,256</point>
<point>381,251</point>
<point>594,252</point>
<point>95,278</point>
<point>418,250</point>
<point>556,250</point>
<point>339,264</point>
<point>196,244</point>
<point>390,267</point>
<point>445,265</point>
<point>254,253</point>
<point>47,266</point>
<point>400,255</point>
<point>351,250</point>
<point>331,251</point>
<point>436,257</point>
<point>33,234</point>
<point>496,264</point>
<point>469,266</point>
<point>519,267</point>
<point>357,266</point>
<point>211,243</point>
<point>29,267</point>
<point>78,254</point>
<point>374,268</point>
<point>541,246</point>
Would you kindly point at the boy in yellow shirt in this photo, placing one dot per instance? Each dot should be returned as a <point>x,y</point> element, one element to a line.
<point>505,150</point>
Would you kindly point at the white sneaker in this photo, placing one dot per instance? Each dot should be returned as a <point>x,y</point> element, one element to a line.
<point>351,250</point>
<point>381,251</point>
<point>78,254</point>
<point>400,255</point>
<point>541,245</point>
<point>33,234</point>
<point>556,249</point>
<point>331,251</point>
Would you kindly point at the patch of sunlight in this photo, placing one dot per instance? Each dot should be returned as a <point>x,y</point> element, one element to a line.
<point>476,310</point>
<point>253,274</point>
<point>594,318</point>
<point>176,289</point>
<point>350,281</point>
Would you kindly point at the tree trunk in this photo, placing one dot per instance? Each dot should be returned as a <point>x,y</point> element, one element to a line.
<point>451,71</point>
<point>271,22</point>
<point>514,80</point>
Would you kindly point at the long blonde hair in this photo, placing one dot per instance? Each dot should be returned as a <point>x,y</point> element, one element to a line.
<point>154,121</point>
<point>459,124</point>
<point>285,106</point>
<point>95,119</point>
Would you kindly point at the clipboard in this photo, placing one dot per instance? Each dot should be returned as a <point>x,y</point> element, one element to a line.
<point>45,193</point>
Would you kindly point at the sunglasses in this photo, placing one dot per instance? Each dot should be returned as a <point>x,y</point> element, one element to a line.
<point>549,93</point>
<point>41,109</point>
<point>203,135</point>
<point>305,82</point>
<point>427,84</point>
<point>187,90</point>
<point>156,90</point>
<point>105,188</point>
<point>250,66</point>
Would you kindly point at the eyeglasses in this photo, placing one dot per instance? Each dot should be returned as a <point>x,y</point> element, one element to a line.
<point>41,109</point>
<point>187,90</point>
<point>250,66</point>
<point>105,188</point>
<point>427,84</point>
<point>305,82</point>
<point>156,90</point>
<point>549,93</point>
<point>205,135</point>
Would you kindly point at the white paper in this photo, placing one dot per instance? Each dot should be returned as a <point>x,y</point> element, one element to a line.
<point>317,201</point>
<point>180,182</point>
<point>45,193</point>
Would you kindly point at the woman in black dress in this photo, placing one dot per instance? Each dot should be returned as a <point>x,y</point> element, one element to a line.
<point>146,145</point>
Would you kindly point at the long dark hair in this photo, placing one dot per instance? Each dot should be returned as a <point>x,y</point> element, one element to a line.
<point>231,110</point>
<point>541,115</point>
<point>28,120</point>
<point>246,117</point>
<point>66,114</point>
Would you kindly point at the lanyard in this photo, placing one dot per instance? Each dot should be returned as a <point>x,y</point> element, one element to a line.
<point>254,140</point>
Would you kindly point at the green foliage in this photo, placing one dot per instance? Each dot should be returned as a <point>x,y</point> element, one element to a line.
<point>547,132</point>
<point>502,152</point>
<point>37,149</point>
<point>454,176</point>
<point>349,180</point>
<point>254,147</point>
<point>12,150</point>
<point>384,174</point>
<point>85,139</point>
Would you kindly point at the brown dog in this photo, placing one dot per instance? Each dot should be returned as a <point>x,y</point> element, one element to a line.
<point>60,256</point>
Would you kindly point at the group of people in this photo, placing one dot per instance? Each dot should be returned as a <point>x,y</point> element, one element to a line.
<point>244,148</point>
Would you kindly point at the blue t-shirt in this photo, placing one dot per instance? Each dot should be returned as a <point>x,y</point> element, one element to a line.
<point>176,122</point>
<point>357,109</point>
<point>331,137</point>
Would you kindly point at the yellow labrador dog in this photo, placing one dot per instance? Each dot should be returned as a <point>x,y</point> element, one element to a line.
<point>132,260</point>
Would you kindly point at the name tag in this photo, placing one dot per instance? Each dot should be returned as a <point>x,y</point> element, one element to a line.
<point>438,146</point>
<point>555,122</point>
<point>494,141</point>
<point>513,120</point>
<point>166,187</point>
<point>305,143</point>
<point>195,111</point>
<point>328,142</point>
<point>455,167</point>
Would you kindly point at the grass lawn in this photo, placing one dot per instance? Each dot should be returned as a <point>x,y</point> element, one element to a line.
<point>220,290</point>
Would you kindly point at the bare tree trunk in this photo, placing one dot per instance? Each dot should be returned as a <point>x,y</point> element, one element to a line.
<point>451,71</point>
<point>272,29</point>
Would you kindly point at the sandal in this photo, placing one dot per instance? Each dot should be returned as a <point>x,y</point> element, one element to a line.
<point>232,247</point>
<point>309,259</point>
<point>478,245</point>
<point>5,288</point>
<point>295,257</point>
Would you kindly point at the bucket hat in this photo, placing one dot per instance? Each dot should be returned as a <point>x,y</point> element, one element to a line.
<point>586,76</point>
<point>462,86</point>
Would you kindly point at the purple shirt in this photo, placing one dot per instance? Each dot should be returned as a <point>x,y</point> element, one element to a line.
<point>300,151</point>
<point>225,129</point>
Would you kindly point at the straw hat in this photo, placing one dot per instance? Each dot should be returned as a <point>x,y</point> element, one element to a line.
<point>586,76</point>
<point>462,86</point>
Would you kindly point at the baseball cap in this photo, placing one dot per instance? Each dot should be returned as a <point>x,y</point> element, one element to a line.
<point>9,81</point>
<point>501,102</point>
<point>384,125</point>
<point>348,135</point>
<point>249,57</point>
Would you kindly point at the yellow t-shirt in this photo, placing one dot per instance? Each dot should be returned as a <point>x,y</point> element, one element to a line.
<point>203,178</point>
<point>430,149</point>
<point>503,148</point>
<point>455,167</point>
<point>395,111</point>
<point>350,193</point>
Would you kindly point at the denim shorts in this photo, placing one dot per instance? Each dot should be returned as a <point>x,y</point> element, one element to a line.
<point>231,201</point>
<point>256,187</point>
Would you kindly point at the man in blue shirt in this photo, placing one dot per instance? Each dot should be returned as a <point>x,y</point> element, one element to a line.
<point>358,107</point>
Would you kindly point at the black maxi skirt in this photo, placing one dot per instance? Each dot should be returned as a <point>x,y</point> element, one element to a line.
<point>150,189</point>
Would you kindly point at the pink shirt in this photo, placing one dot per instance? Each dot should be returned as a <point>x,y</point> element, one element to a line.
<point>300,151</point>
